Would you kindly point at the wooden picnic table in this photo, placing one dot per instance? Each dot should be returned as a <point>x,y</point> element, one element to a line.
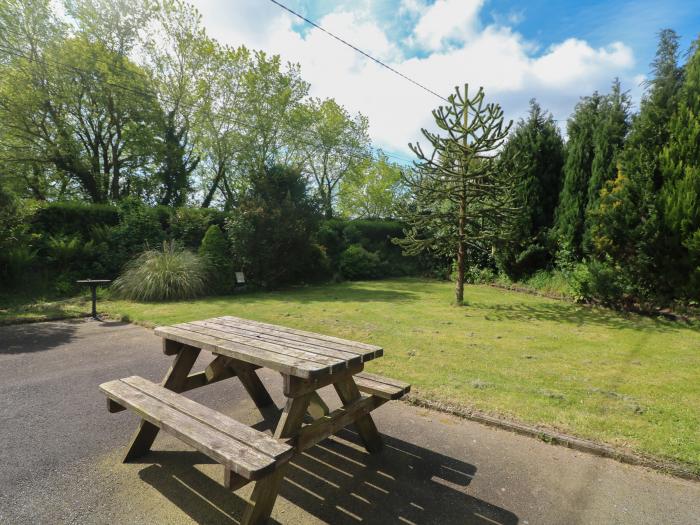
<point>307,362</point>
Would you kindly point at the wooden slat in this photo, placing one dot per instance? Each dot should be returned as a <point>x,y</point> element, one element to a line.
<point>381,386</point>
<point>252,383</point>
<point>328,425</point>
<point>294,386</point>
<point>205,327</point>
<point>279,362</point>
<point>353,346</point>
<point>318,343</point>
<point>233,454</point>
<point>218,369</point>
<point>243,433</point>
<point>348,393</point>
<point>262,334</point>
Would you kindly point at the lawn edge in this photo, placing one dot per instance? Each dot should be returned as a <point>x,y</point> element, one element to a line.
<point>32,320</point>
<point>553,437</point>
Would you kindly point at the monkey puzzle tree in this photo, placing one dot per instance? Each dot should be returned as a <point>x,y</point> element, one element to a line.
<point>462,199</point>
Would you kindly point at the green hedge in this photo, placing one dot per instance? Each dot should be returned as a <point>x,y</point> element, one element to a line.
<point>72,218</point>
<point>343,238</point>
<point>65,241</point>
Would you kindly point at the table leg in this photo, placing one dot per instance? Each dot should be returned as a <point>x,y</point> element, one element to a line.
<point>252,383</point>
<point>348,393</point>
<point>317,406</point>
<point>174,380</point>
<point>265,490</point>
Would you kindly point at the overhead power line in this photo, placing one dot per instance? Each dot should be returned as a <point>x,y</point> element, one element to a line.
<point>352,46</point>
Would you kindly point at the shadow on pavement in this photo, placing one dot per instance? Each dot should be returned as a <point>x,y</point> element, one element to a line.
<point>36,337</point>
<point>339,483</point>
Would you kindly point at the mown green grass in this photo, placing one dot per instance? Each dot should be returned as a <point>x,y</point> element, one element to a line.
<point>630,381</point>
<point>25,309</point>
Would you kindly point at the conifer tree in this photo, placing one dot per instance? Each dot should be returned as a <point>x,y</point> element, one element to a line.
<point>580,152</point>
<point>680,171</point>
<point>460,200</point>
<point>536,145</point>
<point>625,227</point>
<point>608,141</point>
<point>649,132</point>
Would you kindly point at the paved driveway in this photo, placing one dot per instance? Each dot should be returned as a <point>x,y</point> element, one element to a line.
<point>60,455</point>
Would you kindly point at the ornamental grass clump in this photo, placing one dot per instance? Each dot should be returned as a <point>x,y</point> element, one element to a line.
<point>163,275</point>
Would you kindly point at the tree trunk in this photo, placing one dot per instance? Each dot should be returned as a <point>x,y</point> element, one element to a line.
<point>459,286</point>
<point>328,203</point>
<point>212,190</point>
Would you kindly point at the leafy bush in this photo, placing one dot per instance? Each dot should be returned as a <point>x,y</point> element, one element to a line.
<point>16,256</point>
<point>190,225</point>
<point>217,254</point>
<point>139,229</point>
<point>272,230</point>
<point>476,275</point>
<point>358,263</point>
<point>374,235</point>
<point>167,275</point>
<point>606,283</point>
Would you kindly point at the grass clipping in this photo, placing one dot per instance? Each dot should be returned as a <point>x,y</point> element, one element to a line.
<point>169,274</point>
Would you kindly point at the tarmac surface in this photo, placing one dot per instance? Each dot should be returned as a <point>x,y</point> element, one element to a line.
<point>60,455</point>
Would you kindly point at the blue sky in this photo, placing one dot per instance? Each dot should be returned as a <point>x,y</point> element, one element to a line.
<point>553,51</point>
<point>548,22</point>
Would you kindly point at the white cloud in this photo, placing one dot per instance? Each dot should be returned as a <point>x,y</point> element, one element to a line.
<point>447,20</point>
<point>511,69</point>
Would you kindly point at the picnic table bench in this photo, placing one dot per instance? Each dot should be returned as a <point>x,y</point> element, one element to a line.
<point>307,362</point>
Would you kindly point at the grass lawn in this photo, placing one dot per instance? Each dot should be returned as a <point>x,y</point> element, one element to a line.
<point>630,381</point>
<point>23,309</point>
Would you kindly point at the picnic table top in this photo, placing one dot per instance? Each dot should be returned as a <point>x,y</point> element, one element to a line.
<point>294,352</point>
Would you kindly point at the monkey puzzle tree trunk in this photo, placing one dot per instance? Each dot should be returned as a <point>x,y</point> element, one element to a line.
<point>461,231</point>
<point>461,202</point>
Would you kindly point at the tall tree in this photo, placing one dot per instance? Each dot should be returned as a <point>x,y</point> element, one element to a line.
<point>580,151</point>
<point>373,190</point>
<point>27,30</point>
<point>119,25</point>
<point>625,227</point>
<point>649,132</point>
<point>535,151</point>
<point>219,132</point>
<point>72,110</point>
<point>680,169</point>
<point>177,51</point>
<point>334,144</point>
<point>459,195</point>
<point>608,140</point>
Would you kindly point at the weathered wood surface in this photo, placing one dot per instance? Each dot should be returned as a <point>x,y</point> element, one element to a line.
<point>293,352</point>
<point>257,356</point>
<point>380,386</point>
<point>252,383</point>
<point>348,392</point>
<point>307,362</point>
<point>266,336</point>
<point>294,386</point>
<point>330,424</point>
<point>265,491</point>
<point>241,449</point>
<point>203,327</point>
<point>364,349</point>
<point>177,378</point>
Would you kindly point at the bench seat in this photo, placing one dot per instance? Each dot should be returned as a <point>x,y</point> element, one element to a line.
<point>379,386</point>
<point>241,449</point>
